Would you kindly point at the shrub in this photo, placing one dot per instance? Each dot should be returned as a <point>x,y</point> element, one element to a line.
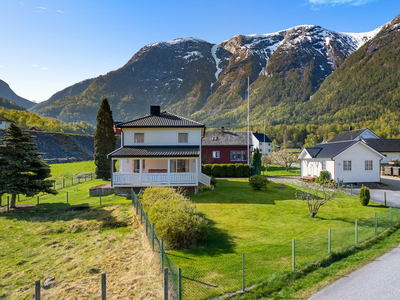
<point>213,181</point>
<point>174,217</point>
<point>258,182</point>
<point>323,177</point>
<point>205,188</point>
<point>223,170</point>
<point>216,170</point>
<point>239,170</point>
<point>246,170</point>
<point>364,195</point>
<point>206,169</point>
<point>230,171</point>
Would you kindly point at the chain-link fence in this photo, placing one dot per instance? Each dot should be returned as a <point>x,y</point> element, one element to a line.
<point>238,271</point>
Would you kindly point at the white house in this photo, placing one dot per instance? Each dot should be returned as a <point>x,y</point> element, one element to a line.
<point>262,142</point>
<point>354,135</point>
<point>350,161</point>
<point>4,123</point>
<point>161,149</point>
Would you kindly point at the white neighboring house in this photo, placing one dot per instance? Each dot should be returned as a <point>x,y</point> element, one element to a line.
<point>262,142</point>
<point>4,123</point>
<point>354,135</point>
<point>350,161</point>
<point>161,149</point>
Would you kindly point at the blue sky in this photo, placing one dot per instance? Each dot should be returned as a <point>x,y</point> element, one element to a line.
<point>47,45</point>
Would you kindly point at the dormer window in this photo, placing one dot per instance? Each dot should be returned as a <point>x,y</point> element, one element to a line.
<point>139,138</point>
<point>183,137</point>
<point>215,138</point>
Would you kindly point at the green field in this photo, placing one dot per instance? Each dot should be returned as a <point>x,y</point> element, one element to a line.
<point>72,169</point>
<point>261,224</point>
<point>275,170</point>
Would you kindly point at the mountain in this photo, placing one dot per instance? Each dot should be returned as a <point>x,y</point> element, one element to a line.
<point>366,86</point>
<point>7,104</point>
<point>7,93</point>
<point>208,82</point>
<point>72,90</point>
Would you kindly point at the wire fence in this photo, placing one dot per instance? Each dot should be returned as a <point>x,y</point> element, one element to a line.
<point>71,180</point>
<point>240,271</point>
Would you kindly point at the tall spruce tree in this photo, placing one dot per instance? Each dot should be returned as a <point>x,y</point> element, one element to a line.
<point>104,141</point>
<point>22,170</point>
<point>256,162</point>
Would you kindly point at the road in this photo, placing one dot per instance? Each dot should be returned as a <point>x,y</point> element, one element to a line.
<point>380,279</point>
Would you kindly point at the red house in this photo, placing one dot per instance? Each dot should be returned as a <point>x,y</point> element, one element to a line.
<point>225,147</point>
<point>34,128</point>
<point>117,131</point>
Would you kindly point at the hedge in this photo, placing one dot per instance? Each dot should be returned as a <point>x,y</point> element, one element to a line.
<point>226,170</point>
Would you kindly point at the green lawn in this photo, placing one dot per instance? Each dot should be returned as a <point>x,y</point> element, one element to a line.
<point>262,224</point>
<point>72,169</point>
<point>275,170</point>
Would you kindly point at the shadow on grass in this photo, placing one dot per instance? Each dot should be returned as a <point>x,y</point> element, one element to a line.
<point>240,192</point>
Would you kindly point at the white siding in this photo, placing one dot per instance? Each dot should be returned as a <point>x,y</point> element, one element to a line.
<point>389,157</point>
<point>4,125</point>
<point>162,136</point>
<point>358,154</point>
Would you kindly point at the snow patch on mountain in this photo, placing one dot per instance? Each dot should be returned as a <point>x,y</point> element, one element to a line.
<point>360,39</point>
<point>217,60</point>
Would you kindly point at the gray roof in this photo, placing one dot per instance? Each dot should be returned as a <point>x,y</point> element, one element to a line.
<point>260,137</point>
<point>329,150</point>
<point>384,145</point>
<point>156,151</point>
<point>348,135</point>
<point>228,138</point>
<point>164,119</point>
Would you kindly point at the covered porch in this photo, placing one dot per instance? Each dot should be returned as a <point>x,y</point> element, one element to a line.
<point>141,167</point>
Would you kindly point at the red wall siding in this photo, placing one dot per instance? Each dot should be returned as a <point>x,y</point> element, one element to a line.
<point>225,153</point>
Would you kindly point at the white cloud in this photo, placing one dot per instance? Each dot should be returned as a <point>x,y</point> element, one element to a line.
<point>42,7</point>
<point>35,66</point>
<point>339,2</point>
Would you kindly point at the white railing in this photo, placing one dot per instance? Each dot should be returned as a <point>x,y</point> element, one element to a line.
<point>204,179</point>
<point>155,179</point>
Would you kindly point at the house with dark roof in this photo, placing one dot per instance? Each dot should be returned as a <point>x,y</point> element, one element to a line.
<point>352,161</point>
<point>226,147</point>
<point>354,135</point>
<point>4,123</point>
<point>262,142</point>
<point>160,149</point>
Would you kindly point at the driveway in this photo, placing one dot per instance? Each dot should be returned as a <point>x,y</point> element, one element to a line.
<point>378,192</point>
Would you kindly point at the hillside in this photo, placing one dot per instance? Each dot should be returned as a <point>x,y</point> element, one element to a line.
<point>208,82</point>
<point>7,93</point>
<point>7,104</point>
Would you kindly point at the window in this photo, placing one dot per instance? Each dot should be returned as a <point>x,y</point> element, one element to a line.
<point>139,138</point>
<point>215,138</point>
<point>347,165</point>
<point>238,155</point>
<point>179,165</point>
<point>368,165</point>
<point>215,154</point>
<point>323,165</point>
<point>136,166</point>
<point>183,137</point>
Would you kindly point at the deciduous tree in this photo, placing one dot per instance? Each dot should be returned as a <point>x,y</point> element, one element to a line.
<point>284,158</point>
<point>22,170</point>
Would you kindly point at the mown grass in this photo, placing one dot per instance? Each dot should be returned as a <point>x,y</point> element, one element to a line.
<point>72,169</point>
<point>275,170</point>
<point>262,224</point>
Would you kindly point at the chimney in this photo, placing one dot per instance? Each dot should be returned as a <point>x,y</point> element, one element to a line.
<point>155,110</point>
<point>350,128</point>
<point>222,129</point>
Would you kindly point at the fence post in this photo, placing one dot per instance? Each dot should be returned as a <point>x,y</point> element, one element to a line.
<point>37,198</point>
<point>390,217</point>
<point>37,290</point>
<point>243,267</point>
<point>356,233</point>
<point>145,224</point>
<point>162,253</point>
<point>376,224</point>
<point>179,284</point>
<point>133,199</point>
<point>165,283</point>
<point>385,198</point>
<point>67,201</point>
<point>103,286</point>
<point>152,236</point>
<point>141,214</point>
<point>293,255</point>
<point>77,182</point>
<point>329,241</point>
<point>63,182</point>
<point>8,203</point>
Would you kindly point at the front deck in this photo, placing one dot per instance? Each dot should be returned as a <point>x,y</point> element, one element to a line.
<point>155,179</point>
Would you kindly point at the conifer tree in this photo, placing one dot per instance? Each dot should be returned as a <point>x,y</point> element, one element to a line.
<point>22,170</point>
<point>104,141</point>
<point>256,162</point>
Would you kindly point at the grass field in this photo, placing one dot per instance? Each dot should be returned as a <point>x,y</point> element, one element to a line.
<point>275,170</point>
<point>262,224</point>
<point>72,169</point>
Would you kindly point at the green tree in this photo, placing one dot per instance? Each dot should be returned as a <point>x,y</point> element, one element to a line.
<point>104,140</point>
<point>256,162</point>
<point>22,170</point>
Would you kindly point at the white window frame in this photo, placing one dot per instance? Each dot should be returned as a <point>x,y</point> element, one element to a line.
<point>369,165</point>
<point>347,165</point>
<point>137,139</point>
<point>323,163</point>
<point>216,154</point>
<point>181,139</point>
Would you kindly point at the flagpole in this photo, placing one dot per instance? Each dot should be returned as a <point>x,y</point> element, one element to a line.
<point>248,121</point>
